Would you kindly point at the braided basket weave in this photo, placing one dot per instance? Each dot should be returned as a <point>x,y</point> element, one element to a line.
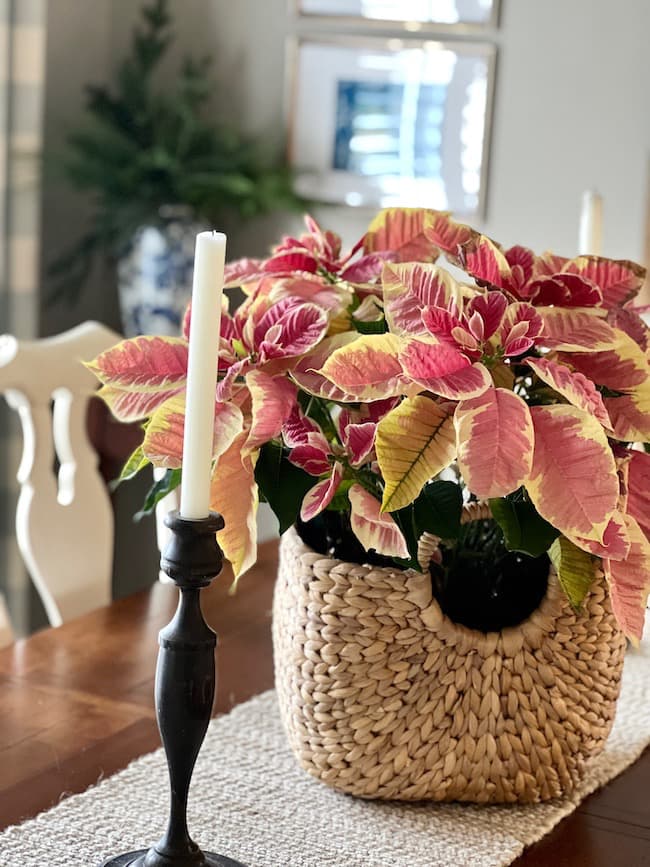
<point>382,696</point>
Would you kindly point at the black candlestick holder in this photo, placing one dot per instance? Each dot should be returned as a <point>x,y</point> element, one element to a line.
<point>185,685</point>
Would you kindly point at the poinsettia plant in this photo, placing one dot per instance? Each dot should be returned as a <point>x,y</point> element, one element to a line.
<point>380,387</point>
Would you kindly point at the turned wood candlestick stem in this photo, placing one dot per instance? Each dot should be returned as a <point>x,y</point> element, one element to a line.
<point>185,685</point>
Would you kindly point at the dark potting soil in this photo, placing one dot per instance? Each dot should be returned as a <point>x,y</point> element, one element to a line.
<point>483,586</point>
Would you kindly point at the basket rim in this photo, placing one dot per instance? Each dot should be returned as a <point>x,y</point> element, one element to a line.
<point>531,631</point>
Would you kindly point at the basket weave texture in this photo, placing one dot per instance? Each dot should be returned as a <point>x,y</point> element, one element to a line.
<point>382,696</point>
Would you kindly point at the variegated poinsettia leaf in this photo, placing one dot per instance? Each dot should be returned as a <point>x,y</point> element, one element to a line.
<point>629,582</point>
<point>368,368</point>
<point>272,400</point>
<point>402,231</point>
<point>447,234</point>
<point>163,437</point>
<point>572,329</point>
<point>143,364</point>
<point>485,261</point>
<point>624,368</point>
<point>411,287</point>
<point>320,496</point>
<point>376,530</point>
<point>573,481</point>
<point>574,569</point>
<point>495,438</point>
<point>638,490</point>
<point>630,415</point>
<point>616,541</point>
<point>443,369</point>
<point>129,406</point>
<point>574,386</point>
<point>619,280</point>
<point>415,441</point>
<point>306,372</point>
<point>234,494</point>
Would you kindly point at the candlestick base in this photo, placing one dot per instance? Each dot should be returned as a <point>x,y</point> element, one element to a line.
<point>185,684</point>
<point>137,859</point>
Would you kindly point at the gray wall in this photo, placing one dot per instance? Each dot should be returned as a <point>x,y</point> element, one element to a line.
<point>571,109</point>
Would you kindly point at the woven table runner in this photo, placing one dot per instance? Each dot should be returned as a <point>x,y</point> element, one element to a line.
<point>249,800</point>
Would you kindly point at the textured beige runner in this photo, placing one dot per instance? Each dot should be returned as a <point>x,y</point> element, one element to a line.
<point>250,801</point>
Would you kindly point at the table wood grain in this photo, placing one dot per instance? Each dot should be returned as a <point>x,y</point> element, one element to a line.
<point>76,705</point>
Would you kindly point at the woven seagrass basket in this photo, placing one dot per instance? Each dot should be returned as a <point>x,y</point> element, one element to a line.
<point>382,696</point>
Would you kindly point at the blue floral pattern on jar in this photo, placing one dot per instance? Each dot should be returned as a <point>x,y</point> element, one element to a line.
<point>155,274</point>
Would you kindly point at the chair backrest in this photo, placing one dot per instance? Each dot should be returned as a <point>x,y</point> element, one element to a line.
<point>64,517</point>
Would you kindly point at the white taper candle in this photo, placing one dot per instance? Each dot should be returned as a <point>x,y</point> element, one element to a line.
<point>207,289</point>
<point>590,238</point>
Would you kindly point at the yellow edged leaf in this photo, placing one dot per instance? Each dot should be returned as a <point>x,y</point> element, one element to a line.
<point>574,568</point>
<point>414,442</point>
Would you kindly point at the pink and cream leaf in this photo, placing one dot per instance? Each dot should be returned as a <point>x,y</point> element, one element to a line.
<point>143,364</point>
<point>306,370</point>
<point>376,530</point>
<point>630,415</point>
<point>359,441</point>
<point>273,398</point>
<point>321,495</point>
<point>618,280</point>
<point>638,490</point>
<point>297,330</point>
<point>624,367</point>
<point>242,271</point>
<point>494,434</point>
<point>575,387</point>
<point>234,494</point>
<point>163,438</point>
<point>367,369</point>
<point>130,406</point>
<point>443,369</point>
<point>629,582</point>
<point>575,330</point>
<point>402,232</point>
<point>615,544</point>
<point>409,288</point>
<point>573,481</point>
<point>311,457</point>
<point>487,263</point>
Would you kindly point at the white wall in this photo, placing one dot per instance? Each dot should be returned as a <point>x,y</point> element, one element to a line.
<point>571,112</point>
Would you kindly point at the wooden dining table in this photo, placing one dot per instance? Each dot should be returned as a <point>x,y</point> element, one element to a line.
<point>76,705</point>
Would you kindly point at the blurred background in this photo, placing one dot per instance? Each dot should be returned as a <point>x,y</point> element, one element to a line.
<point>107,187</point>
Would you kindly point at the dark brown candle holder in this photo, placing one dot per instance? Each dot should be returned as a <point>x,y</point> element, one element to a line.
<point>185,685</point>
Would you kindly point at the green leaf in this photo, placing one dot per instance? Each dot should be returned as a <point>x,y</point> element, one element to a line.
<point>169,482</point>
<point>377,327</point>
<point>523,527</point>
<point>282,484</point>
<point>437,510</point>
<point>575,570</point>
<point>340,501</point>
<point>136,462</point>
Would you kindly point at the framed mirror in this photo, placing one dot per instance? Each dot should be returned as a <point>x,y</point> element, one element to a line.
<point>378,123</point>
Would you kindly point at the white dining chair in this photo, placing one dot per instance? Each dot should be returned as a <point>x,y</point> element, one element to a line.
<point>64,517</point>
